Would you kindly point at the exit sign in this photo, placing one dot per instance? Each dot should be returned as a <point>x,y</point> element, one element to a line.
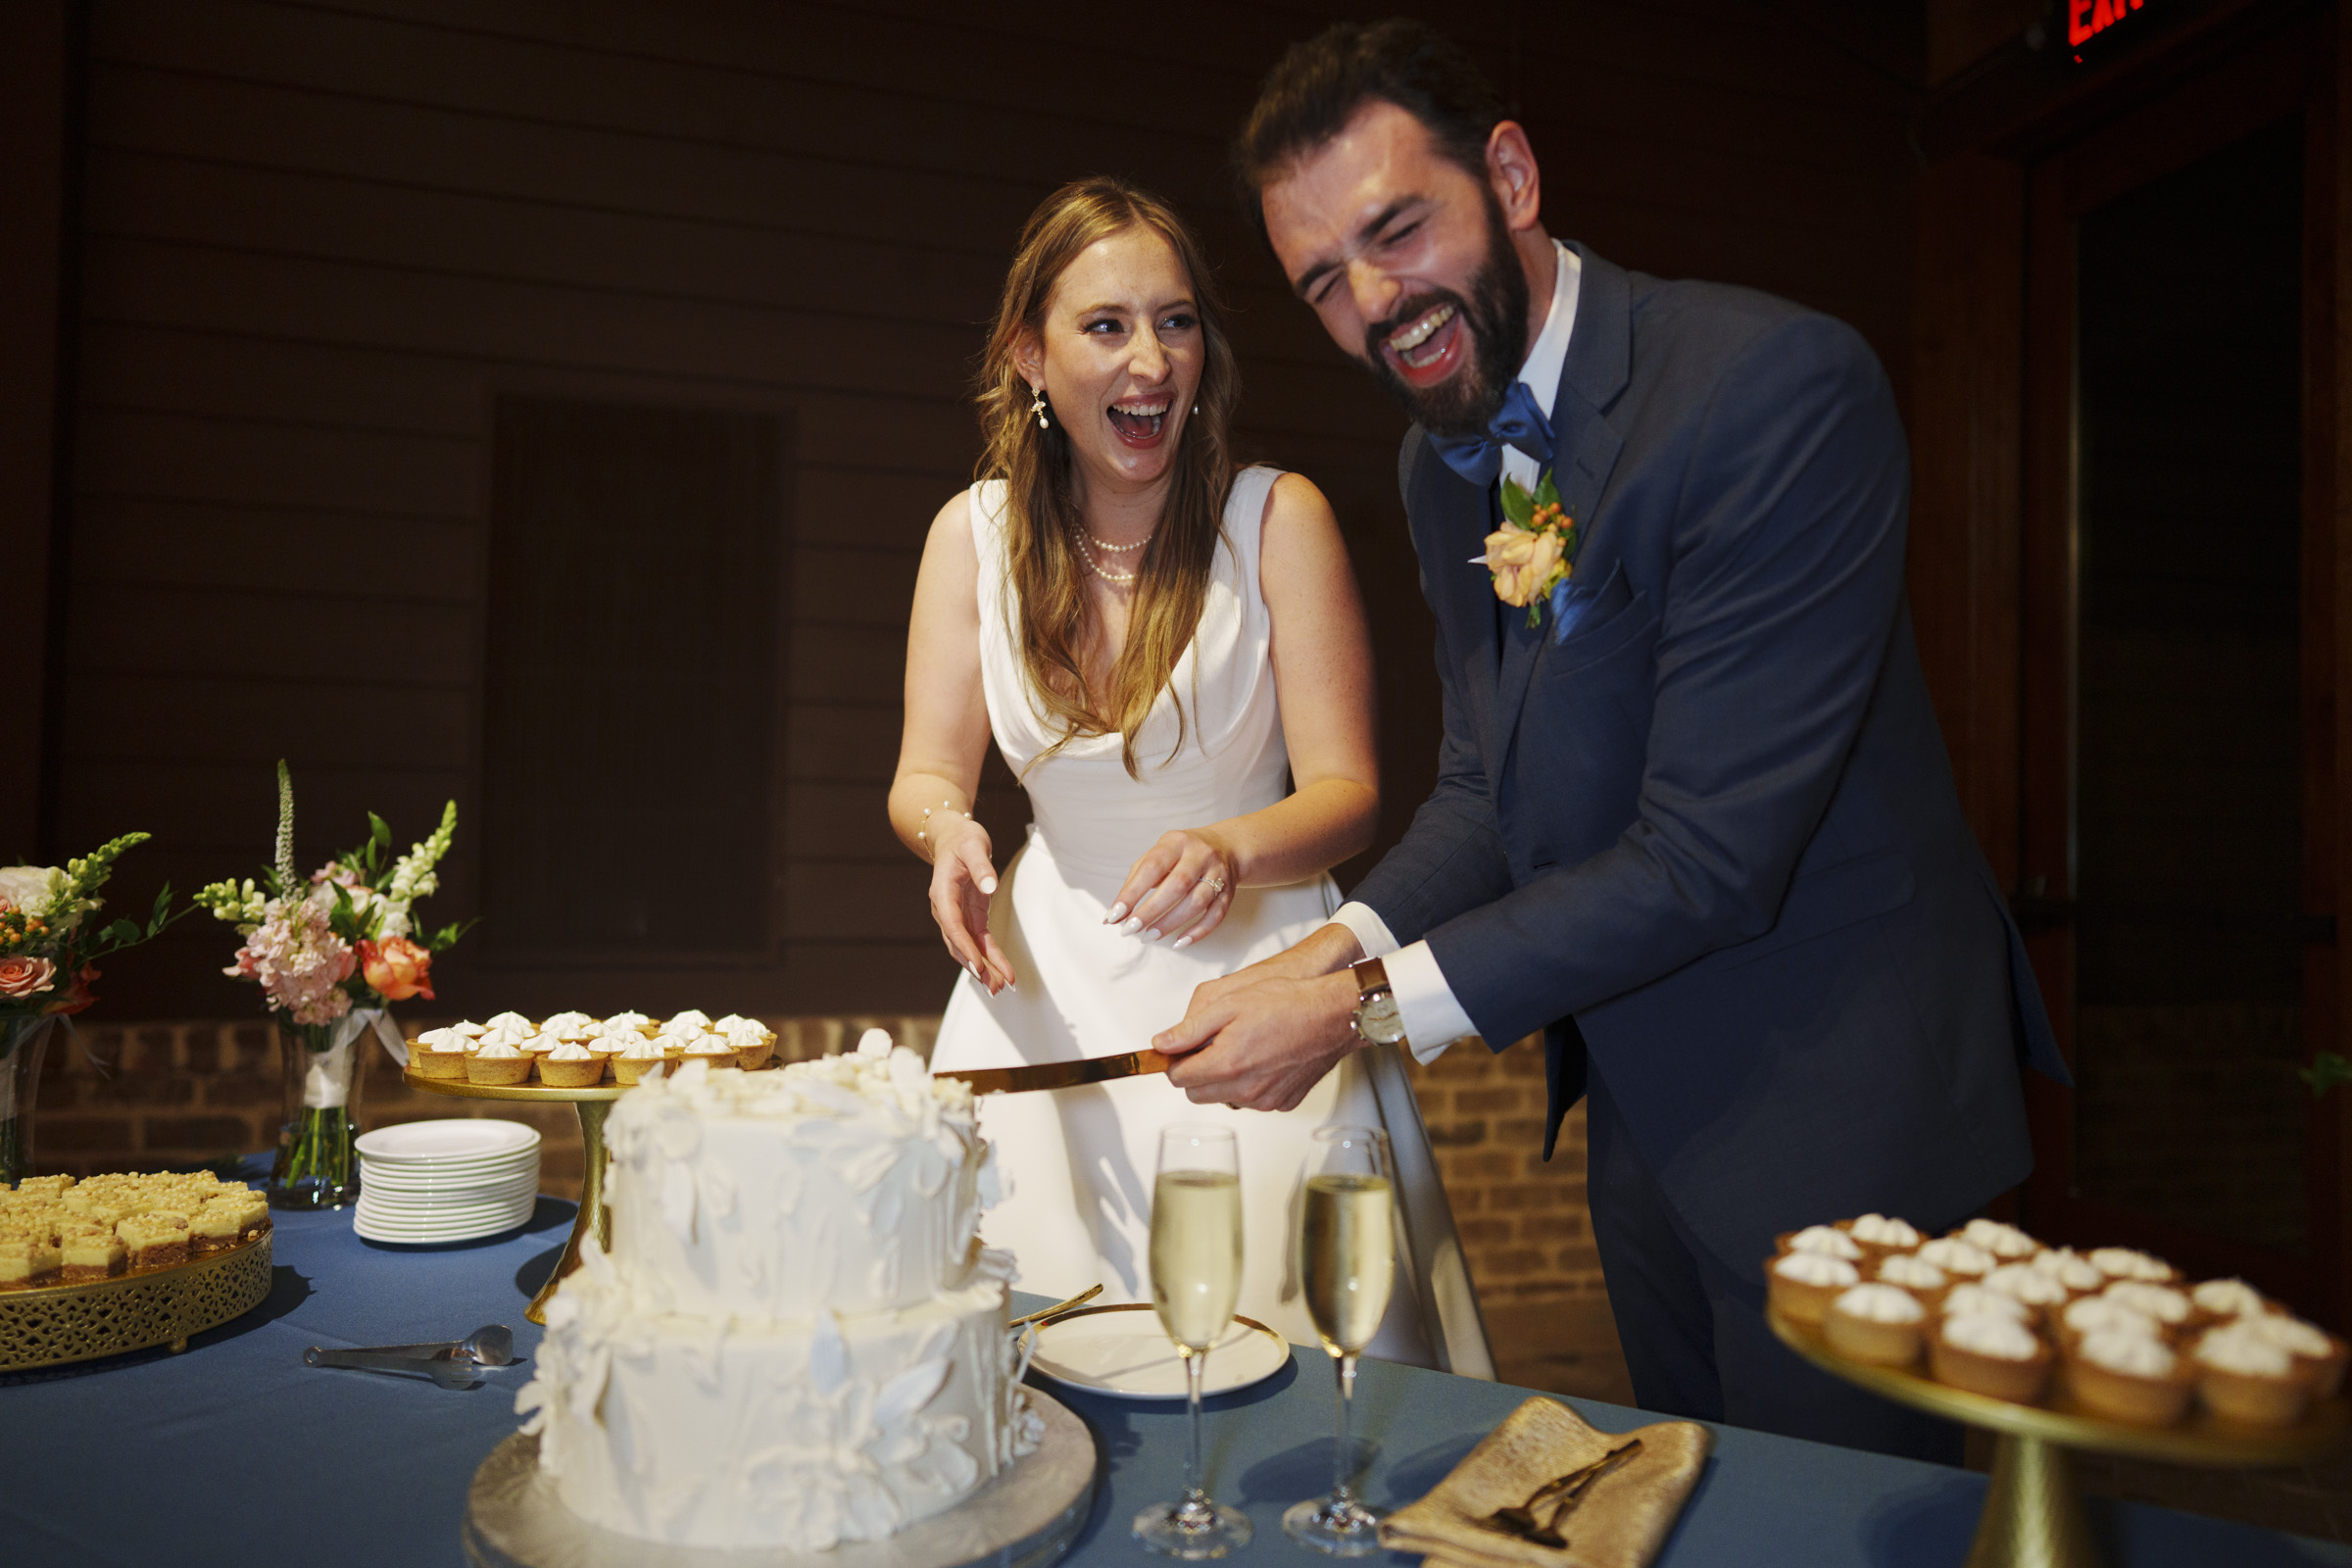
<point>2085,20</point>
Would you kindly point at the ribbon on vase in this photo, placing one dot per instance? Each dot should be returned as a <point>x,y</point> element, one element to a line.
<point>326,1077</point>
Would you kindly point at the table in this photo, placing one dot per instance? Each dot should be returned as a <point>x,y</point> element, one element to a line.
<point>236,1453</point>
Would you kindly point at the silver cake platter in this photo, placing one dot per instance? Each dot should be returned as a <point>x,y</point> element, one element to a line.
<point>1025,1518</point>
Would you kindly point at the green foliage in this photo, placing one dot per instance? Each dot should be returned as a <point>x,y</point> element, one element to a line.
<point>1517,505</point>
<point>2327,1071</point>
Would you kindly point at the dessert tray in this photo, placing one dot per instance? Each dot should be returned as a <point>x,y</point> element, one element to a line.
<point>1025,1518</point>
<point>2033,1513</point>
<point>50,1325</point>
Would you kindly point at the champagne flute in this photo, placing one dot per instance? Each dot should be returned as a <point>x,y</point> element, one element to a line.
<point>1196,1278</point>
<point>1348,1257</point>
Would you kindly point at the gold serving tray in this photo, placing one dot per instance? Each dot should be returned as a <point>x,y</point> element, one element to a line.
<point>49,1325</point>
<point>2033,1515</point>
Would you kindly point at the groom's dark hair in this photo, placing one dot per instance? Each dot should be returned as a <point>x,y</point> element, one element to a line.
<point>1318,86</point>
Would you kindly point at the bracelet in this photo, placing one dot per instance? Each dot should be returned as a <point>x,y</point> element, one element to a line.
<point>948,807</point>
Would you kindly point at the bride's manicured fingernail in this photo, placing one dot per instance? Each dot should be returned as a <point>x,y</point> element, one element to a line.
<point>1132,927</point>
<point>1151,936</point>
<point>1118,913</point>
<point>988,885</point>
<point>1180,942</point>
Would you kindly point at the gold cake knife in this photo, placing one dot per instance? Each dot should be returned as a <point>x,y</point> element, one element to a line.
<point>1058,1074</point>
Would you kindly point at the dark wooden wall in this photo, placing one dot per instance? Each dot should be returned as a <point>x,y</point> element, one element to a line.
<point>323,238</point>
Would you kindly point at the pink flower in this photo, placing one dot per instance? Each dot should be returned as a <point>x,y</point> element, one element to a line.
<point>23,977</point>
<point>299,962</point>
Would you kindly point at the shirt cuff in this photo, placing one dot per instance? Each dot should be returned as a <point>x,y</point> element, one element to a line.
<point>1433,1019</point>
<point>1372,933</point>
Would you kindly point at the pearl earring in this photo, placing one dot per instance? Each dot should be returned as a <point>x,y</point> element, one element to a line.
<point>1038,408</point>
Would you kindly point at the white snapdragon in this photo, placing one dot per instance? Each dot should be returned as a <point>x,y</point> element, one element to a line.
<point>413,875</point>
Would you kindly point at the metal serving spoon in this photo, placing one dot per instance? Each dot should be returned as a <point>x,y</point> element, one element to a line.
<point>491,1345</point>
<point>455,1364</point>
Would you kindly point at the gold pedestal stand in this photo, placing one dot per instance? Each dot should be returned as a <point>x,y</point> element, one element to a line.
<point>2032,1514</point>
<point>591,1104</point>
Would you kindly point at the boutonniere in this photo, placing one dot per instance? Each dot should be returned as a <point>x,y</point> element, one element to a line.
<point>1532,555</point>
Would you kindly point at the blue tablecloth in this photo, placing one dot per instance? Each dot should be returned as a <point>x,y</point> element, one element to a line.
<point>236,1453</point>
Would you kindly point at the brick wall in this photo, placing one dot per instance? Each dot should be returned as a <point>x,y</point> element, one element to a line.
<point>150,1096</point>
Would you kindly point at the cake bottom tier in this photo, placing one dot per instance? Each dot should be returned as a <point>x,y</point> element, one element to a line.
<point>711,1432</point>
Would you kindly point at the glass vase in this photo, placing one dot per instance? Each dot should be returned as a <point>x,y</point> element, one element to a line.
<point>317,1162</point>
<point>23,1041</point>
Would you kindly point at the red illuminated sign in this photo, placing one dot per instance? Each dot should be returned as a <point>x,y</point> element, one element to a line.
<point>2085,20</point>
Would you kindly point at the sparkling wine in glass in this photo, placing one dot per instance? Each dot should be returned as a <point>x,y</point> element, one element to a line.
<point>1348,1257</point>
<point>1196,1278</point>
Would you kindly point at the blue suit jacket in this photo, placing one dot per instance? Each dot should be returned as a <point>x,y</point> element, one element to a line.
<point>1708,838</point>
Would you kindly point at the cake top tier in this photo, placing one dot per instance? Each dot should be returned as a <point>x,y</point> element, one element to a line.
<point>887,1091</point>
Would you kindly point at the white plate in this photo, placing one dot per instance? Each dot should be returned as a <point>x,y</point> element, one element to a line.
<point>454,1138</point>
<point>463,1232</point>
<point>431,1187</point>
<point>1122,1351</point>
<point>444,1213</point>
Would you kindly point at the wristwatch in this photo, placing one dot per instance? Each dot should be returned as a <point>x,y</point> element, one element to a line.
<point>1375,1017</point>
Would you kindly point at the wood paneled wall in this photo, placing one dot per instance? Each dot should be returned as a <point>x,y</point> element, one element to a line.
<point>323,237</point>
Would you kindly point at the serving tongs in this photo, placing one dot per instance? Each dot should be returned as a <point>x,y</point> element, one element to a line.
<point>452,1364</point>
<point>1556,1499</point>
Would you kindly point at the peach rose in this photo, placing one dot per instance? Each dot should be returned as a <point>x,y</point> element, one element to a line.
<point>1522,563</point>
<point>398,968</point>
<point>79,996</point>
<point>23,977</point>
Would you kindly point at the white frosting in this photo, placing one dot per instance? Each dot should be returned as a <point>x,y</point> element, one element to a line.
<point>1878,1230</point>
<point>710,1045</point>
<point>562,1023</point>
<point>682,1040</point>
<point>2028,1285</point>
<point>2122,1264</point>
<point>1826,1240</point>
<point>692,1018</point>
<point>2159,1302</point>
<point>620,1034</point>
<point>1806,1268</point>
<point>1917,1273</point>
<point>742,1031</point>
<point>499,1051</point>
<point>2228,1298</point>
<point>2234,1348</point>
<point>1956,1256</point>
<point>570,1050</point>
<point>1881,1303</point>
<point>2291,1334</point>
<point>2068,1268</point>
<point>2001,1240</point>
<point>514,1032</point>
<point>509,1020</point>
<point>469,1029</point>
<point>1990,1334</point>
<point>627,1020</point>
<point>2095,1314</point>
<point>796,1339</point>
<point>2128,1351</point>
<point>636,1046</point>
<point>1974,1301</point>
<point>443,1040</point>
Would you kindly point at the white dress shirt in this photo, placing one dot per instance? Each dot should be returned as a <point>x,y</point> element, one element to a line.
<point>1424,1004</point>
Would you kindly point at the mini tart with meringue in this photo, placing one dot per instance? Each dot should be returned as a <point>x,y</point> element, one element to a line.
<point>2168,1307</point>
<point>1801,1285</point>
<point>438,1053</point>
<point>2070,1269</point>
<point>1956,1256</point>
<point>570,1065</point>
<point>2006,1243</point>
<point>498,1065</point>
<point>2218,1301</point>
<point>1883,1234</point>
<point>1989,1353</point>
<point>1917,1275</point>
<point>755,1043</point>
<point>2318,1354</point>
<point>2026,1284</point>
<point>2123,1263</point>
<point>1882,1324</point>
<point>1977,1300</point>
<point>636,1058</point>
<point>2245,1378</point>
<point>2095,1314</point>
<point>1825,1240</point>
<point>2126,1375</point>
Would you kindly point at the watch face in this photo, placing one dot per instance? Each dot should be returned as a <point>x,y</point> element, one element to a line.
<point>1378,1021</point>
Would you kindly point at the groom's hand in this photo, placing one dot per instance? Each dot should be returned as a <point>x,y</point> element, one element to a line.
<point>1262,1046</point>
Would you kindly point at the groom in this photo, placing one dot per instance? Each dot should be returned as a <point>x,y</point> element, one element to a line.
<point>1693,820</point>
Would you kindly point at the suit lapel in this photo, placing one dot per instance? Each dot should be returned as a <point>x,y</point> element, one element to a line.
<point>1594,372</point>
<point>1450,525</point>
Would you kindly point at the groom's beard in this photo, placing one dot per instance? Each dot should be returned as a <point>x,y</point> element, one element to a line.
<point>1495,314</point>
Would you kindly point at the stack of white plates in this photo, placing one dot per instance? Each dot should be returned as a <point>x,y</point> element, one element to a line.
<point>446,1181</point>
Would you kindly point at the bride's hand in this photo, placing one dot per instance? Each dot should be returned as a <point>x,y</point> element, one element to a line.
<point>961,883</point>
<point>1182,887</point>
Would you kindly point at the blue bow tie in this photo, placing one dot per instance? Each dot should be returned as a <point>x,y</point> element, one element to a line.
<point>1521,424</point>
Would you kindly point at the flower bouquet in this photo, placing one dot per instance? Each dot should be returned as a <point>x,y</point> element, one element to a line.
<point>331,952</point>
<point>49,948</point>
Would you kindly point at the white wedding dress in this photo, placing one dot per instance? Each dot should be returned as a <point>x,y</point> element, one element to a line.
<point>1080,1162</point>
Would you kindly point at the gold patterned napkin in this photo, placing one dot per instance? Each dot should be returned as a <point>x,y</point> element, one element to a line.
<point>1491,1510</point>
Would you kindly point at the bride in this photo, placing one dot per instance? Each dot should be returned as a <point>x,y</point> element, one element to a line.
<point>1172,658</point>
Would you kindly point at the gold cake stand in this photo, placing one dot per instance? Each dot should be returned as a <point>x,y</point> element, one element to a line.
<point>50,1325</point>
<point>592,1104</point>
<point>2033,1515</point>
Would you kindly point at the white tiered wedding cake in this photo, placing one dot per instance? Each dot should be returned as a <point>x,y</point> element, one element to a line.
<point>796,1339</point>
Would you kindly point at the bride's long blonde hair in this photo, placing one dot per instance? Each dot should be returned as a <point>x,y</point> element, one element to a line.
<point>1048,577</point>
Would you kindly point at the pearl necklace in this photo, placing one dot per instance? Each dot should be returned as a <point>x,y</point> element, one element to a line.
<point>1120,550</point>
<point>1118,579</point>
